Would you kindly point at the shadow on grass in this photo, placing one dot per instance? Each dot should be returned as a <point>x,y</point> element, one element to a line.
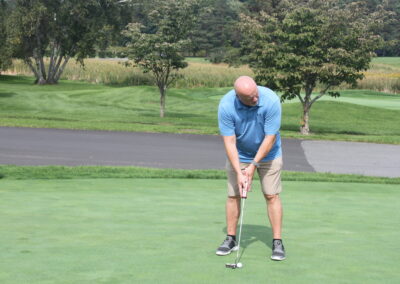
<point>41,118</point>
<point>342,132</point>
<point>254,233</point>
<point>349,132</point>
<point>15,79</point>
<point>290,127</point>
<point>173,115</point>
<point>321,131</point>
<point>6,95</point>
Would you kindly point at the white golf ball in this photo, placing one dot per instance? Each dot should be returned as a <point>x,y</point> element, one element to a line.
<point>239,264</point>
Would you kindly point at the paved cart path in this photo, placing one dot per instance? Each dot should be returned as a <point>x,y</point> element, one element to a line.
<point>37,146</point>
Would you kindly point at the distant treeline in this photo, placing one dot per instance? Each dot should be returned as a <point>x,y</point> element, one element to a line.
<point>216,35</point>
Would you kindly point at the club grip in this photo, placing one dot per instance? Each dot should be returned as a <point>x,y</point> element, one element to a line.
<point>244,191</point>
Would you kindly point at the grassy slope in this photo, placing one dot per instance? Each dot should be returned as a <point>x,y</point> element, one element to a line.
<point>337,120</point>
<point>365,98</point>
<point>109,230</point>
<point>78,105</point>
<point>86,106</point>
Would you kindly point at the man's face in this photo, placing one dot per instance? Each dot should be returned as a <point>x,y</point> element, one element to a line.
<point>250,99</point>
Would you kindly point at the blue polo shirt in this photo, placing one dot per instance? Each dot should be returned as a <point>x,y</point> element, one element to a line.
<point>250,124</point>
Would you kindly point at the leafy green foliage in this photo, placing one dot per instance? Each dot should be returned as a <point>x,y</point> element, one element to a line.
<point>58,29</point>
<point>5,52</point>
<point>315,44</point>
<point>390,30</point>
<point>157,46</point>
<point>215,32</point>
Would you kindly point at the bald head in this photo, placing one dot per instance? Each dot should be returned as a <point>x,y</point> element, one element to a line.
<point>246,90</point>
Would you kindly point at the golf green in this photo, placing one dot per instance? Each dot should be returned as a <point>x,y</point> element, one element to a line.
<point>167,230</point>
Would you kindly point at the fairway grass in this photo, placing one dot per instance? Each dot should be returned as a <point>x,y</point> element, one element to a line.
<point>167,230</point>
<point>358,115</point>
<point>364,98</point>
<point>79,172</point>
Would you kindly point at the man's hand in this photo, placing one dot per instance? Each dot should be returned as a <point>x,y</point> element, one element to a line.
<point>243,182</point>
<point>249,172</point>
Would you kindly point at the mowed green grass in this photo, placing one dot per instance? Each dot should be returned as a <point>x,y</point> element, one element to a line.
<point>167,230</point>
<point>79,105</point>
<point>364,98</point>
<point>92,172</point>
<point>393,61</point>
<point>365,116</point>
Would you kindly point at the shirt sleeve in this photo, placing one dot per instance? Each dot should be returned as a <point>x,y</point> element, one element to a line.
<point>225,122</point>
<point>272,122</point>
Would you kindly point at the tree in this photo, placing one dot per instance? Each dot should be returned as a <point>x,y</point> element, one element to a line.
<point>59,29</point>
<point>5,52</point>
<point>390,30</point>
<point>214,31</point>
<point>272,7</point>
<point>157,46</point>
<point>316,45</point>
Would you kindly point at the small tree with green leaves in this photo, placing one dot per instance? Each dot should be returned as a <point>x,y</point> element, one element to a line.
<point>316,45</point>
<point>157,46</point>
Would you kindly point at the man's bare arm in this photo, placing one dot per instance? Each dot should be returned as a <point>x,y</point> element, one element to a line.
<point>233,156</point>
<point>262,152</point>
<point>265,147</point>
<point>231,152</point>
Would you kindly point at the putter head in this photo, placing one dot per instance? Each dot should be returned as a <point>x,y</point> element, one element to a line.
<point>234,265</point>
<point>231,265</point>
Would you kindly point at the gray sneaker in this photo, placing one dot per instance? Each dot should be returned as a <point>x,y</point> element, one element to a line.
<point>227,246</point>
<point>278,250</point>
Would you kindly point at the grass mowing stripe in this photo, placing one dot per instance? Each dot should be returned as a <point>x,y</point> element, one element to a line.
<point>65,172</point>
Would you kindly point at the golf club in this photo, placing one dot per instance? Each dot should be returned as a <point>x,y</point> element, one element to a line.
<point>242,203</point>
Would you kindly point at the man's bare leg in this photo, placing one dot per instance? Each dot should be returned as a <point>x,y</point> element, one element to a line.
<point>232,214</point>
<point>232,217</point>
<point>275,213</point>
<point>274,208</point>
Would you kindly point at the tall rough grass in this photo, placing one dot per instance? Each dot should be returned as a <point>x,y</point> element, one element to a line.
<point>381,79</point>
<point>114,72</point>
<point>384,74</point>
<point>382,82</point>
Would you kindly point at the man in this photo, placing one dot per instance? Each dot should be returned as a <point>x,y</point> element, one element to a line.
<point>249,119</point>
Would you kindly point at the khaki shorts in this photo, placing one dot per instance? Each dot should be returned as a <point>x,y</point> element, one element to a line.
<point>269,173</point>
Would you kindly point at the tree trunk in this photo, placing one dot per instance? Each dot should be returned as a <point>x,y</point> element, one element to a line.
<point>307,103</point>
<point>305,126</point>
<point>163,91</point>
<point>40,74</point>
<point>58,73</point>
<point>41,79</point>
<point>50,73</point>
<point>56,66</point>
